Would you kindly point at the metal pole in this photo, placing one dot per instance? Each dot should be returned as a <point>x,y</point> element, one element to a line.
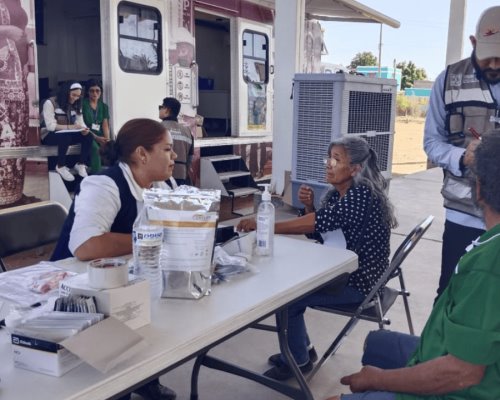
<point>380,52</point>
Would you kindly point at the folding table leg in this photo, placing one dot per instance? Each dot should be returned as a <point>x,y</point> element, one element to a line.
<point>282,324</point>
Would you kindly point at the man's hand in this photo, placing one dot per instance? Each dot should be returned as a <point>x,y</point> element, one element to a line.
<point>469,153</point>
<point>246,225</point>
<point>365,379</point>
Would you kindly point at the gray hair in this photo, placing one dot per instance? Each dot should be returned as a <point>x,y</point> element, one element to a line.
<point>362,154</point>
<point>487,169</point>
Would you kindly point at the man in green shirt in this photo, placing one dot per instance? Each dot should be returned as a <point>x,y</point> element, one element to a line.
<point>458,355</point>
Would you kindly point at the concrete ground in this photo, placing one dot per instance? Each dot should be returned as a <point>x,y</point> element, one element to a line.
<point>415,197</point>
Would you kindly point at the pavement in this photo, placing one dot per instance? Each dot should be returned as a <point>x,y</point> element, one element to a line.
<point>415,197</point>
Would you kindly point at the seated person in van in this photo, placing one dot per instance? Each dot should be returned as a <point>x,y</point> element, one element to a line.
<point>355,214</point>
<point>96,117</point>
<point>62,125</point>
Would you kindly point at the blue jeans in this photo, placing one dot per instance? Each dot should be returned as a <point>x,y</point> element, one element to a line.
<point>387,350</point>
<point>298,341</point>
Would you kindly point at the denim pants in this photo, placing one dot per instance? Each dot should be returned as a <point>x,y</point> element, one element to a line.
<point>64,140</point>
<point>298,341</point>
<point>387,350</point>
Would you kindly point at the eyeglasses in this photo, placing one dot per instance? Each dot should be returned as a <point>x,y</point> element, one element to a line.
<point>94,90</point>
<point>330,161</point>
<point>161,107</point>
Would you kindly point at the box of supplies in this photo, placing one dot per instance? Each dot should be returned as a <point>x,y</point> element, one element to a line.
<point>42,356</point>
<point>130,304</point>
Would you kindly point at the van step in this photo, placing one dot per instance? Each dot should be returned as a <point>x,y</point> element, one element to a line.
<point>223,157</point>
<point>225,176</point>
<point>244,191</point>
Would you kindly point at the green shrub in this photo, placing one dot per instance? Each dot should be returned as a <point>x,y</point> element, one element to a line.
<point>411,106</point>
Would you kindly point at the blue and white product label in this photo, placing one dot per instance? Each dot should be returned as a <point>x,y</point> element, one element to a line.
<point>147,237</point>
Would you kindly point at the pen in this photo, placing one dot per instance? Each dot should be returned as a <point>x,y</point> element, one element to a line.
<point>474,133</point>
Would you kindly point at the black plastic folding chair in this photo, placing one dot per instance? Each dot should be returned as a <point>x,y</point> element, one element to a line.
<point>28,227</point>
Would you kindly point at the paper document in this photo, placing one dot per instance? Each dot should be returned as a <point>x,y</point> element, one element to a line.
<point>71,130</point>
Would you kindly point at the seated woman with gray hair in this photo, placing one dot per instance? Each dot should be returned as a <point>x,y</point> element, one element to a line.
<point>355,214</point>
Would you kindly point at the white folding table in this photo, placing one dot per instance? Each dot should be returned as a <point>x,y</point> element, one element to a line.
<point>182,329</point>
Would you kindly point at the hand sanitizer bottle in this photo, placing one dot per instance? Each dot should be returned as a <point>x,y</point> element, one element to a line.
<point>265,224</point>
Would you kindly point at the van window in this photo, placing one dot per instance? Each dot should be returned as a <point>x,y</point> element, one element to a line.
<point>255,57</point>
<point>139,32</point>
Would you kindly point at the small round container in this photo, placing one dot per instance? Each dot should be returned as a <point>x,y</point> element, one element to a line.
<point>107,273</point>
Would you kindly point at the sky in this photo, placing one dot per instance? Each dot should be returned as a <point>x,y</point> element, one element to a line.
<point>421,38</point>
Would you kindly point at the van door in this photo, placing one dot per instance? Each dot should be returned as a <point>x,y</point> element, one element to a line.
<point>134,38</point>
<point>253,61</point>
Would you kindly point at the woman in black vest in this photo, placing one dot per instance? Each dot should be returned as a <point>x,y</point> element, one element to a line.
<point>100,220</point>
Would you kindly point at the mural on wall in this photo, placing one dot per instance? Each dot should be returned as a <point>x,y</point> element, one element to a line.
<point>17,86</point>
<point>258,158</point>
<point>313,46</point>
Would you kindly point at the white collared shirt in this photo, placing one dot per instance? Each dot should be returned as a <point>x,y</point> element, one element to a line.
<point>98,204</point>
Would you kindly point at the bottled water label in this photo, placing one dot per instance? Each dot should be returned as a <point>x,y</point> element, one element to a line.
<point>148,237</point>
<point>147,243</point>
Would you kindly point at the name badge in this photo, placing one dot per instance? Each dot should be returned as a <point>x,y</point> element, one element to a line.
<point>96,127</point>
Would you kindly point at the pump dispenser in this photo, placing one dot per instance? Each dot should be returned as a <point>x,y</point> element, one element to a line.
<point>265,224</point>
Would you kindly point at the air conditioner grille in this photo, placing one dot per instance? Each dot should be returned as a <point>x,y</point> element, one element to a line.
<point>369,112</point>
<point>381,145</point>
<point>313,130</point>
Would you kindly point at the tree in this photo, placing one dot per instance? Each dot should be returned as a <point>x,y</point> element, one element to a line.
<point>410,73</point>
<point>364,58</point>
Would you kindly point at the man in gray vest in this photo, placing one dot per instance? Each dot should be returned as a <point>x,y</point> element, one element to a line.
<point>183,139</point>
<point>463,105</point>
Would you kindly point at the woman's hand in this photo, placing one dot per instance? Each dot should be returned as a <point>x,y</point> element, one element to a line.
<point>246,225</point>
<point>101,140</point>
<point>306,197</point>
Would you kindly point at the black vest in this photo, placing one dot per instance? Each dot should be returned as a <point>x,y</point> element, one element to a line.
<point>123,222</point>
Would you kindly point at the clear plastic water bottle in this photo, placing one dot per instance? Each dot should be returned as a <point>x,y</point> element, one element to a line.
<point>265,224</point>
<point>147,239</point>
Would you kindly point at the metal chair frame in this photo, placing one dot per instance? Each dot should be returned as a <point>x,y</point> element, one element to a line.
<point>375,305</point>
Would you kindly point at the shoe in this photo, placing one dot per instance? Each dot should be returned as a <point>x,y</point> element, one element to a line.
<point>282,372</point>
<point>275,359</point>
<point>155,391</point>
<point>65,174</point>
<point>81,169</point>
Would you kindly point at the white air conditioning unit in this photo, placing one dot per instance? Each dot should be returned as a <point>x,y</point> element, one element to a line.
<point>329,106</point>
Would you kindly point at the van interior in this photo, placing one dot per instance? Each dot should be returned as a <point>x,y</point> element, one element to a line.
<point>213,55</point>
<point>68,37</point>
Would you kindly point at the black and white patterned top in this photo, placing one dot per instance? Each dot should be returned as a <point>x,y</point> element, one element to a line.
<point>348,213</point>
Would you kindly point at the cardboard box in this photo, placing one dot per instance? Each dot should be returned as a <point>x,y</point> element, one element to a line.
<point>129,304</point>
<point>42,356</point>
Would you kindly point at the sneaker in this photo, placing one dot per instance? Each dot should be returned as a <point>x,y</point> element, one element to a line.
<point>81,169</point>
<point>65,174</point>
<point>282,372</point>
<point>275,359</point>
<point>155,391</point>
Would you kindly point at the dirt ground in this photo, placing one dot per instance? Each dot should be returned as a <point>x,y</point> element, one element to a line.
<point>408,152</point>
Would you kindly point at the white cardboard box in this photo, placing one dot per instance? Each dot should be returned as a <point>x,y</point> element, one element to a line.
<point>129,304</point>
<point>103,345</point>
<point>42,356</point>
